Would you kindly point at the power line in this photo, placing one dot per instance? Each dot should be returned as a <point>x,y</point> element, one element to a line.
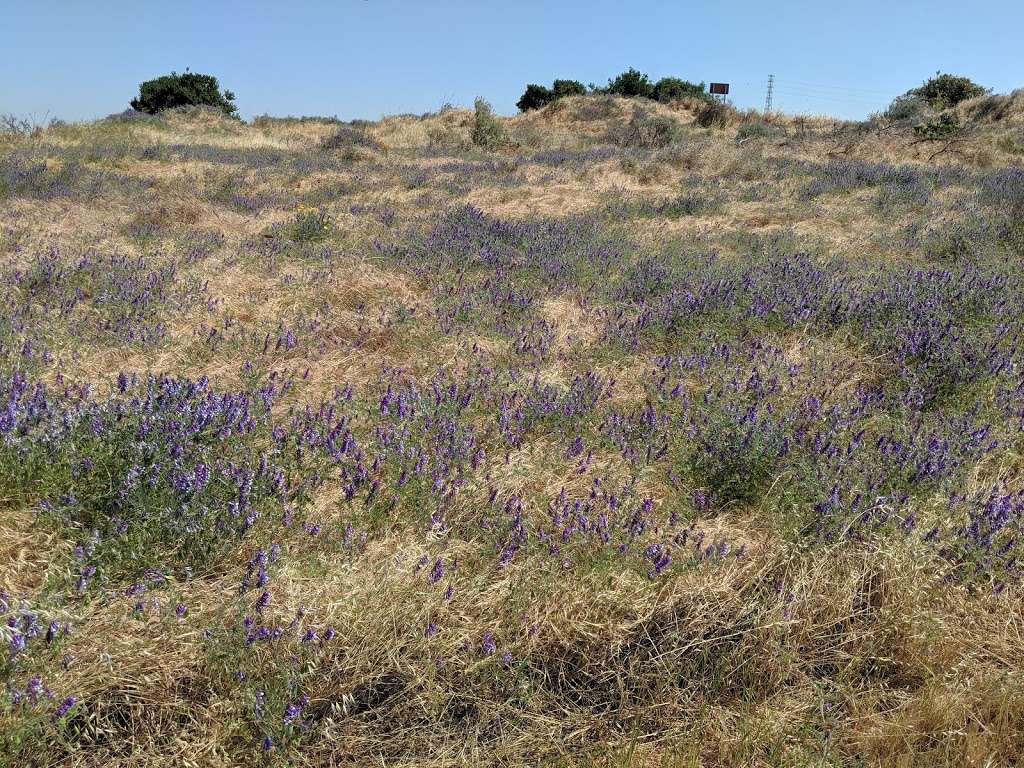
<point>837,87</point>
<point>832,94</point>
<point>803,89</point>
<point>834,97</point>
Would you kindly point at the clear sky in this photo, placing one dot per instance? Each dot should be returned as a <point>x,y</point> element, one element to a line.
<point>81,59</point>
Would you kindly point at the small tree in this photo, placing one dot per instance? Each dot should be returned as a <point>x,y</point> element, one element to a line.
<point>631,83</point>
<point>535,97</point>
<point>672,88</point>
<point>188,89</point>
<point>944,91</point>
<point>488,132</point>
<point>562,88</point>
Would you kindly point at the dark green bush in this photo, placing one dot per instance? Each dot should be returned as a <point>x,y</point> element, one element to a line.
<point>561,88</point>
<point>944,91</point>
<point>537,96</point>
<point>534,97</point>
<point>672,88</point>
<point>188,89</point>
<point>945,125</point>
<point>631,83</point>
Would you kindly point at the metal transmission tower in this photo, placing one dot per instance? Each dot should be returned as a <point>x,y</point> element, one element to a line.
<point>768,96</point>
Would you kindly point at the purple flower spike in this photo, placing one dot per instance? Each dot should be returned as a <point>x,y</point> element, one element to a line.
<point>17,644</point>
<point>64,707</point>
<point>487,644</point>
<point>263,602</point>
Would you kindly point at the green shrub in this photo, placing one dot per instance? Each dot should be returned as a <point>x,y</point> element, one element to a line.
<point>631,83</point>
<point>907,108</point>
<point>645,131</point>
<point>537,96</point>
<point>732,460</point>
<point>561,88</point>
<point>673,88</point>
<point>714,114</point>
<point>943,126</point>
<point>188,89</point>
<point>309,225</point>
<point>534,97</point>
<point>488,131</point>
<point>944,91</point>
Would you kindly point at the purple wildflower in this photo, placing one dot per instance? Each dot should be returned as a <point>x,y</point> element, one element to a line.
<point>487,644</point>
<point>64,707</point>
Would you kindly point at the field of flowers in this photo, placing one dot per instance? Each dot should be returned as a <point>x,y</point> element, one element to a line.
<point>330,444</point>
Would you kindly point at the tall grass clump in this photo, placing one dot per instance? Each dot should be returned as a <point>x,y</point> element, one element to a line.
<point>488,131</point>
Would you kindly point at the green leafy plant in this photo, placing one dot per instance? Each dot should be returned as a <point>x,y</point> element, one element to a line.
<point>906,108</point>
<point>561,88</point>
<point>537,96</point>
<point>632,82</point>
<point>944,90</point>
<point>488,132</point>
<point>945,125</point>
<point>732,459</point>
<point>309,225</point>
<point>187,89</point>
<point>673,88</point>
<point>534,97</point>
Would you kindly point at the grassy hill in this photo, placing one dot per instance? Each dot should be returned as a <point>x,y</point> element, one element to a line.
<point>610,434</point>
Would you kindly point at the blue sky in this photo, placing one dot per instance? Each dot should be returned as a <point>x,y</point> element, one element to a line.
<point>81,59</point>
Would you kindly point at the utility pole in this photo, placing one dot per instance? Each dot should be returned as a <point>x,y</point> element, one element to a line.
<point>768,97</point>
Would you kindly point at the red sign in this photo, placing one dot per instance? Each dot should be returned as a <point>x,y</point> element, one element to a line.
<point>719,89</point>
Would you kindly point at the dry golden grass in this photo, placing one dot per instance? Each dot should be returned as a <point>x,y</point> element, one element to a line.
<point>851,655</point>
